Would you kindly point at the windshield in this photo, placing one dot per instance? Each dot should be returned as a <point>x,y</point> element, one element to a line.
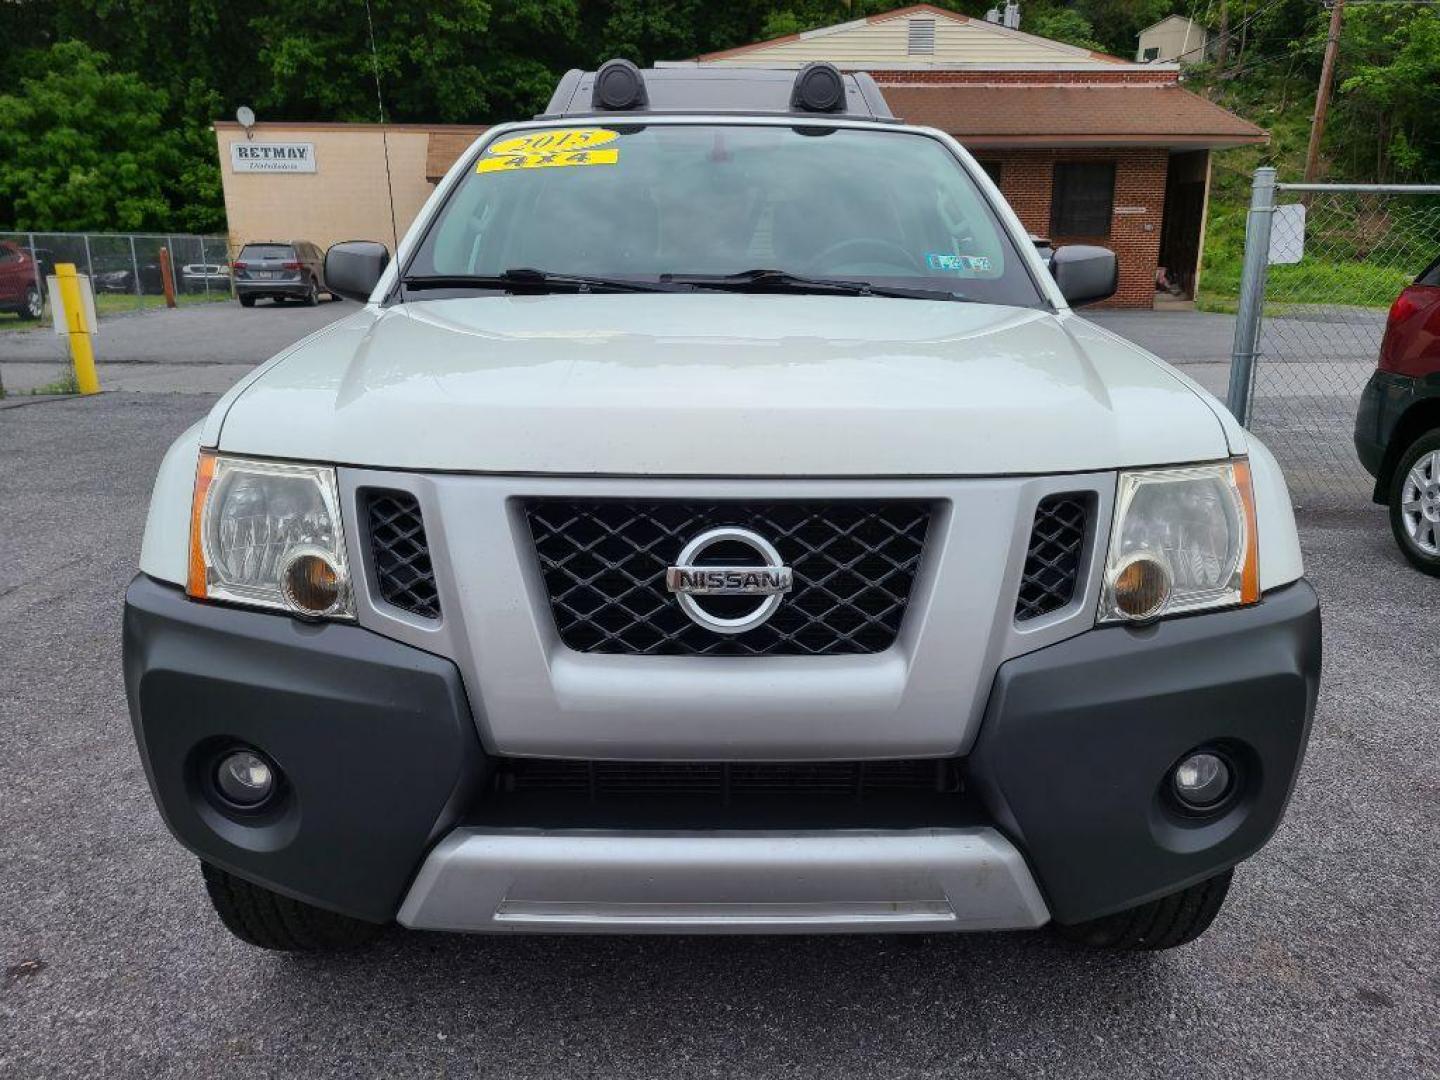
<point>637,202</point>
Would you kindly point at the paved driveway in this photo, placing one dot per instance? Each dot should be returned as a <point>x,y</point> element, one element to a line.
<point>201,348</point>
<point>1324,962</point>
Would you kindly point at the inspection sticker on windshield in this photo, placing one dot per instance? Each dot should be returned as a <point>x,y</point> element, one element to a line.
<point>550,150</point>
<point>960,264</point>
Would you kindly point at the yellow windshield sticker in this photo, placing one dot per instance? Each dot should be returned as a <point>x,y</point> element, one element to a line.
<point>550,150</point>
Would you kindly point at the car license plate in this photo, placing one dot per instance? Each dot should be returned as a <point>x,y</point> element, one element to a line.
<point>262,274</point>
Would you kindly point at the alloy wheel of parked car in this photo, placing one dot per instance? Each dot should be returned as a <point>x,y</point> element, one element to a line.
<point>1415,503</point>
<point>34,303</point>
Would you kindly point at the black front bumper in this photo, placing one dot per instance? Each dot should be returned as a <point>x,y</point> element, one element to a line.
<point>381,757</point>
<point>1079,739</point>
<point>374,739</point>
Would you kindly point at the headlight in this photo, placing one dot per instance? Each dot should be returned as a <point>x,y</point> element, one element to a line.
<point>267,533</point>
<point>1183,540</point>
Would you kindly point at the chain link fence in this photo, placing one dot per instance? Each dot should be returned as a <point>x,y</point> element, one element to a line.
<point>125,269</point>
<point>1312,316</point>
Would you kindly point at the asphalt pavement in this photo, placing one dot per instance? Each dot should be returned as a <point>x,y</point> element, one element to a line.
<point>201,348</point>
<point>1325,961</point>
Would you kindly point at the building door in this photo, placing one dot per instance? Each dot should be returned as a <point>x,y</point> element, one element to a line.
<point>1181,223</point>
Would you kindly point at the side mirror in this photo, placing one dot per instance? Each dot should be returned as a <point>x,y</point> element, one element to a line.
<point>353,269</point>
<point>1085,274</point>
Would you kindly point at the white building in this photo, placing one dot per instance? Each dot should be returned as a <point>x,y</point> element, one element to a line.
<point>1173,40</point>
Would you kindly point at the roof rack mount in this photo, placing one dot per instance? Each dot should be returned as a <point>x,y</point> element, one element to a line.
<point>618,86</point>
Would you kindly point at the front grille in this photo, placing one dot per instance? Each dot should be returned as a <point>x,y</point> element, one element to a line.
<point>1052,564</point>
<point>401,552</point>
<point>726,782</point>
<point>604,561</point>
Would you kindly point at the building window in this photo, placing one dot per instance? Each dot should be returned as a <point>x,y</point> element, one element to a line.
<point>922,37</point>
<point>1082,198</point>
<point>992,170</point>
<point>1150,54</point>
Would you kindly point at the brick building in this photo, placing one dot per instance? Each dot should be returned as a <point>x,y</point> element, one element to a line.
<point>1088,148</point>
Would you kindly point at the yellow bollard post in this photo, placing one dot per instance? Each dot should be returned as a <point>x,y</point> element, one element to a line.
<point>82,355</point>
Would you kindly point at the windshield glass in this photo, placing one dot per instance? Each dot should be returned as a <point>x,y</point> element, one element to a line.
<point>632,201</point>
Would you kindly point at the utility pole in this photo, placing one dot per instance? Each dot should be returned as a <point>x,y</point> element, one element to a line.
<point>1322,92</point>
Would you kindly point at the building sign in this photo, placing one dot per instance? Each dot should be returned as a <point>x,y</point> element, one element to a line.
<point>272,157</point>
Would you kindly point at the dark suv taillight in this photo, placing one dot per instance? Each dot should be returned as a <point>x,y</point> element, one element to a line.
<point>1402,309</point>
<point>291,265</point>
<point>1407,304</point>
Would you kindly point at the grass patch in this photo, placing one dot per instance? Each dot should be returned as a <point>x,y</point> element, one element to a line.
<point>64,385</point>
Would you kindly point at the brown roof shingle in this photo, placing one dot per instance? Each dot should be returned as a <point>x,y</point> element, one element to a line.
<point>988,114</point>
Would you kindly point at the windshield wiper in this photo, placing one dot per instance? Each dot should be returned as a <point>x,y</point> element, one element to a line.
<point>528,279</point>
<point>770,280</point>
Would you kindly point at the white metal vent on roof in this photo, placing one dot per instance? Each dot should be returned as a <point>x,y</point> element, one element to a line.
<point>922,36</point>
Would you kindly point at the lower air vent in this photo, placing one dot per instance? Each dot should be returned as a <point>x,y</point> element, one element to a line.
<point>1052,564</point>
<point>401,553</point>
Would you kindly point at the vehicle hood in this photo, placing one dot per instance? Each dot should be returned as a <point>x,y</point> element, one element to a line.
<point>710,384</point>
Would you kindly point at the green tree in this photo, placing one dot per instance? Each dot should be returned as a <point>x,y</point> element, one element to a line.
<point>1067,25</point>
<point>453,61</point>
<point>1386,119</point>
<point>1117,23</point>
<point>85,147</point>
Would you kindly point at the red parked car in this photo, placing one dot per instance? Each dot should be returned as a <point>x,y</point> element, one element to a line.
<point>1397,431</point>
<point>20,292</point>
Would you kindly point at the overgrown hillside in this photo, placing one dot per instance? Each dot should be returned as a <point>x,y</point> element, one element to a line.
<point>1384,127</point>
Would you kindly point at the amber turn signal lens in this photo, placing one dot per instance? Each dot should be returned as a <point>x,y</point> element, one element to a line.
<point>195,581</point>
<point>1142,587</point>
<point>311,584</point>
<point>1250,571</point>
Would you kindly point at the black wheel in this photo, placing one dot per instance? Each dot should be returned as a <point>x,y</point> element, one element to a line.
<point>247,301</point>
<point>1166,923</point>
<point>312,298</point>
<point>34,303</point>
<point>260,917</point>
<point>1415,503</point>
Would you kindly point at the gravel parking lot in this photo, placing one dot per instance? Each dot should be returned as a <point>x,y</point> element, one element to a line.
<point>1324,962</point>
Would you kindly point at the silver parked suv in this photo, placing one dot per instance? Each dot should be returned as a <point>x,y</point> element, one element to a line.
<point>717,520</point>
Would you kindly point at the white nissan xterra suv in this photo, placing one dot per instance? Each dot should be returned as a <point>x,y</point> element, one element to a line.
<point>717,521</point>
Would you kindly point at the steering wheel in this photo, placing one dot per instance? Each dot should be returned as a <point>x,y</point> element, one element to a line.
<point>888,252</point>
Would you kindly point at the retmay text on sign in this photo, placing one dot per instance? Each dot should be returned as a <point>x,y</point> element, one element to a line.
<point>273,157</point>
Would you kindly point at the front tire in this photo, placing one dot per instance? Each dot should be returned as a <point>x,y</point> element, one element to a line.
<point>1415,503</point>
<point>1167,923</point>
<point>268,920</point>
<point>34,304</point>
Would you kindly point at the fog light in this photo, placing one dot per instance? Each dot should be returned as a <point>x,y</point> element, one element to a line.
<point>1201,780</point>
<point>1141,587</point>
<point>245,778</point>
<point>311,584</point>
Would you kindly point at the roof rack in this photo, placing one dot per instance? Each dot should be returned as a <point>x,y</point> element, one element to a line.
<point>618,86</point>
